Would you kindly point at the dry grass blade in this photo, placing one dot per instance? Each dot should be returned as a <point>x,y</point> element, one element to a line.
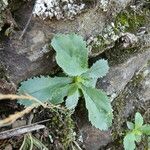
<point>14,97</point>
<point>9,120</point>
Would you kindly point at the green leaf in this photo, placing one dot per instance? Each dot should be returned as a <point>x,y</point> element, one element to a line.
<point>130,125</point>
<point>145,129</point>
<point>42,87</point>
<point>99,69</point>
<point>73,89</point>
<point>59,94</point>
<point>129,141</point>
<point>99,107</point>
<point>72,100</point>
<point>138,138</point>
<point>88,82</point>
<point>138,120</point>
<point>71,53</point>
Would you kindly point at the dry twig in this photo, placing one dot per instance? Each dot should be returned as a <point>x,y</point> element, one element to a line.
<point>19,131</point>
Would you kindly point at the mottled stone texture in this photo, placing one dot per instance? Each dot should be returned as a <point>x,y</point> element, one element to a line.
<point>3,5</point>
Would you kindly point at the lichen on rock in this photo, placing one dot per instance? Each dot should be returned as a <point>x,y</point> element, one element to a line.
<point>104,4</point>
<point>3,5</point>
<point>132,18</point>
<point>59,9</point>
<point>98,44</point>
<point>132,21</point>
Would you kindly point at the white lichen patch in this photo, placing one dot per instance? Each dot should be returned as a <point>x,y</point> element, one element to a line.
<point>59,9</point>
<point>106,39</point>
<point>109,33</point>
<point>3,5</point>
<point>104,4</point>
<point>5,2</point>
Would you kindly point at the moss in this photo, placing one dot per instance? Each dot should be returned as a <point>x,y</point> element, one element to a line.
<point>131,20</point>
<point>118,54</point>
<point>60,127</point>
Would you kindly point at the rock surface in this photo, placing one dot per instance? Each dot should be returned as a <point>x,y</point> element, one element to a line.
<point>121,74</point>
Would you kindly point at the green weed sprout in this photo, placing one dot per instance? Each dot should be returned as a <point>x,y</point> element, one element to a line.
<point>136,130</point>
<point>78,80</point>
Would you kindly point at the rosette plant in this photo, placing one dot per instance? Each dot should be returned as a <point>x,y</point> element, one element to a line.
<point>78,80</point>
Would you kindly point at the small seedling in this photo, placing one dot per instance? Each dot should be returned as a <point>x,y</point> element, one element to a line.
<point>137,129</point>
<point>78,80</point>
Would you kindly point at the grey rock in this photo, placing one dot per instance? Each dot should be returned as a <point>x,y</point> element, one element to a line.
<point>134,98</point>
<point>94,138</point>
<point>121,74</point>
